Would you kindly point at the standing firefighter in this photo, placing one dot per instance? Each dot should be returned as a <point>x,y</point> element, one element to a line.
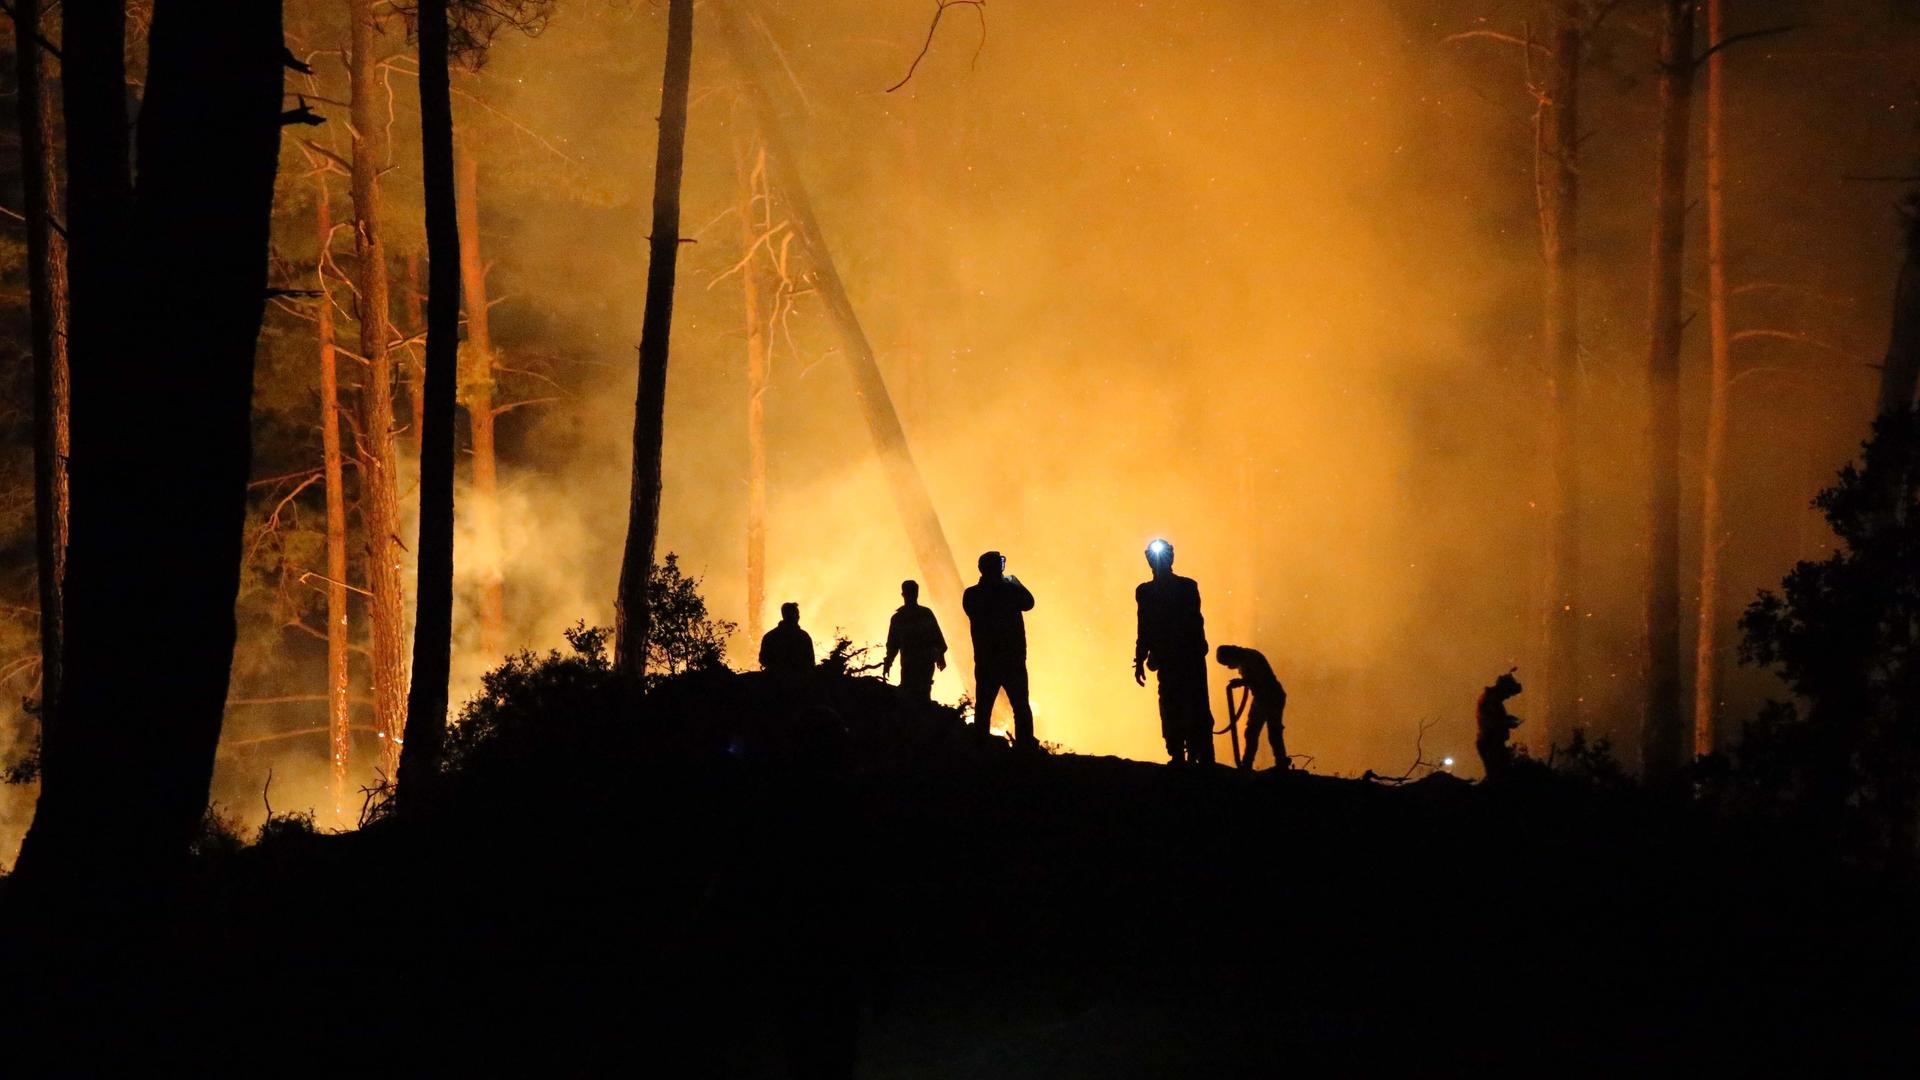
<point>1173,642</point>
<point>994,609</point>
<point>1496,724</point>
<point>914,636</point>
<point>787,649</point>
<point>1269,703</point>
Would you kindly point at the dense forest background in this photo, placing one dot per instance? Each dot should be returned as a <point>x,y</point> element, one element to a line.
<point>1261,278</point>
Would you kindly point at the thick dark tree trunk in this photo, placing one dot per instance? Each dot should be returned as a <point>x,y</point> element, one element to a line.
<point>643,515</point>
<point>1559,181</point>
<point>1662,728</point>
<point>1706,650</point>
<point>374,454</point>
<point>433,617</point>
<point>911,499</point>
<point>476,394</point>
<point>47,305</point>
<point>168,292</point>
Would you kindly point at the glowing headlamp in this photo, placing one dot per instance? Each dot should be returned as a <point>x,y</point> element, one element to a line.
<point>1158,548</point>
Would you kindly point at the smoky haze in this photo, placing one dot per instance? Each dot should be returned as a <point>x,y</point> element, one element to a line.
<point>1259,278</point>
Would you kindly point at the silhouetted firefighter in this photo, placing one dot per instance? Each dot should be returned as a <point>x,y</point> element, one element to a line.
<point>1269,704</point>
<point>914,636</point>
<point>1496,724</point>
<point>1173,642</point>
<point>999,631</point>
<point>787,648</point>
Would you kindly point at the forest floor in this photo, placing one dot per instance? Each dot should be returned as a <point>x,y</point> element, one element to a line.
<point>884,897</point>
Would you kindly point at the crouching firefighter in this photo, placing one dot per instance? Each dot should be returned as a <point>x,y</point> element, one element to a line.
<point>1264,706</point>
<point>1495,724</point>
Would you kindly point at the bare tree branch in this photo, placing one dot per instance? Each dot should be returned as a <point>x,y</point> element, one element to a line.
<point>940,9</point>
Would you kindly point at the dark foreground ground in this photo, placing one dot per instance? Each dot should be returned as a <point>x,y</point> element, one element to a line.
<point>883,899</point>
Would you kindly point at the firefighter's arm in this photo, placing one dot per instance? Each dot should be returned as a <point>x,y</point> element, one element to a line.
<point>1140,638</point>
<point>1022,593</point>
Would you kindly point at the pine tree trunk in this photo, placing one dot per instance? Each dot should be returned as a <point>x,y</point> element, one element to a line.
<point>476,393</point>
<point>1662,738</point>
<point>911,498</point>
<point>643,518</point>
<point>1559,185</point>
<point>169,287</point>
<point>1706,656</point>
<point>755,220</point>
<point>433,619</point>
<point>339,710</point>
<point>47,307</point>
<point>374,450</point>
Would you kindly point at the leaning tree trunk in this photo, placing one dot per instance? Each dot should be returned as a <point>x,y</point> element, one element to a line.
<point>643,515</point>
<point>169,286</point>
<point>374,453</point>
<point>755,222</point>
<point>433,618</point>
<point>1706,652</point>
<point>911,499</point>
<point>1662,738</point>
<point>339,709</point>
<point>1558,153</point>
<point>47,307</point>
<point>476,393</point>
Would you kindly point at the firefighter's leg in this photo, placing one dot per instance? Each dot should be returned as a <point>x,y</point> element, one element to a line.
<point>1255,719</point>
<point>986,685</point>
<point>1016,682</point>
<point>1199,710</point>
<point>1171,729</point>
<point>916,680</point>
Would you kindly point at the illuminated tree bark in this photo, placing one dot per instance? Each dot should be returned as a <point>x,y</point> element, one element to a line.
<point>1558,172</point>
<point>755,223</point>
<point>911,499</point>
<point>643,516</point>
<point>168,289</point>
<point>476,394</point>
<point>47,310</point>
<point>1706,661</point>
<point>339,715</point>
<point>433,619</point>
<point>374,450</point>
<point>1662,738</point>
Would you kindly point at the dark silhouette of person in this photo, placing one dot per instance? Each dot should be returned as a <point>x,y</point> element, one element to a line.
<point>1173,642</point>
<point>994,609</point>
<point>1269,703</point>
<point>914,636</point>
<point>1495,724</point>
<point>786,648</point>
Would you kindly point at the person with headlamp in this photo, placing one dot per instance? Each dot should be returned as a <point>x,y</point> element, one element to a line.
<point>1172,641</point>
